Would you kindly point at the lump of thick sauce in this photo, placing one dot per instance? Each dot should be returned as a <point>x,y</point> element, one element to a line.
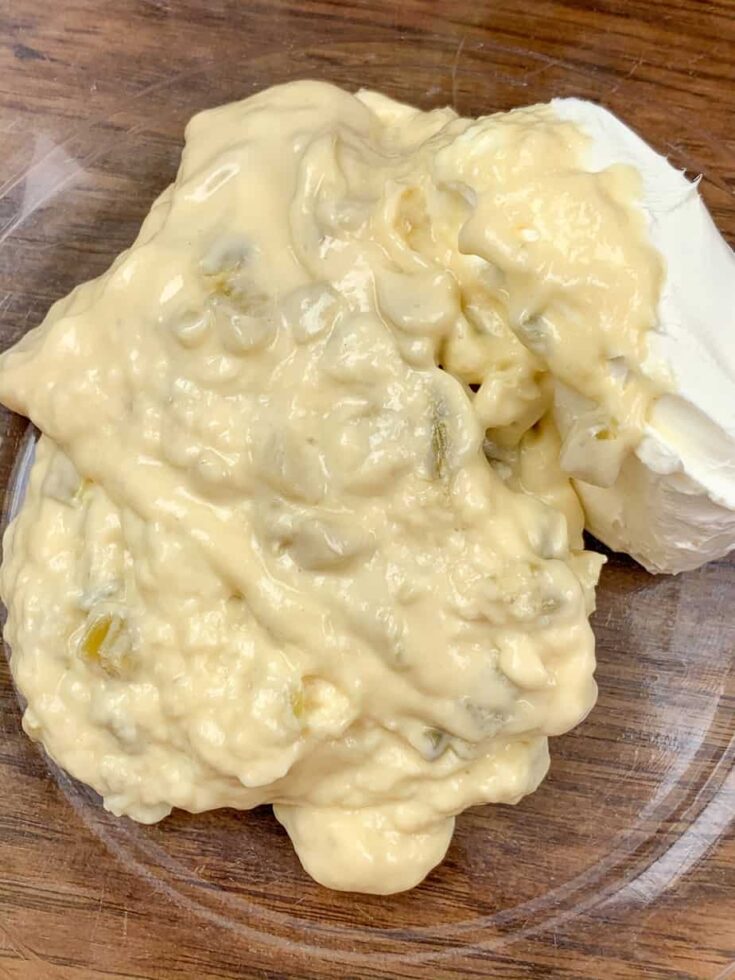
<point>297,530</point>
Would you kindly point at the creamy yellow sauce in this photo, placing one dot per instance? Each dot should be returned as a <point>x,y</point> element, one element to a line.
<point>297,530</point>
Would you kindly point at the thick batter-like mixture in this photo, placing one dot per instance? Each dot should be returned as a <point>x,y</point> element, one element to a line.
<point>297,529</point>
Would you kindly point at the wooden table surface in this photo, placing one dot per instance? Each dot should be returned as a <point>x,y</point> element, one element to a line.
<point>623,864</point>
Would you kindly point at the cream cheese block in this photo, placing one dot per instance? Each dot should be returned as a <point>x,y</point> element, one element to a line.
<point>672,505</point>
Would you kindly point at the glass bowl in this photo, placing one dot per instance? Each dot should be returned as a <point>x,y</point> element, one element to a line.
<point>637,796</point>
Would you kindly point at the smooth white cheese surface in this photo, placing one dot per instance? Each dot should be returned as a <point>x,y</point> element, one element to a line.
<point>673,505</point>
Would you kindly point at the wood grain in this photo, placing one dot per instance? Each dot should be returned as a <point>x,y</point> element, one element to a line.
<point>623,864</point>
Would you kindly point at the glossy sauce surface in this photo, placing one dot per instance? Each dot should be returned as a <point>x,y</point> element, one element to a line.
<point>264,556</point>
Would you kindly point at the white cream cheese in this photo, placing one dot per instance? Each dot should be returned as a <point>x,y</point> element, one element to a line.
<point>271,550</point>
<point>672,507</point>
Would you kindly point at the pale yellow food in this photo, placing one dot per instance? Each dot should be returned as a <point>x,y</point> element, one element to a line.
<point>264,556</point>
